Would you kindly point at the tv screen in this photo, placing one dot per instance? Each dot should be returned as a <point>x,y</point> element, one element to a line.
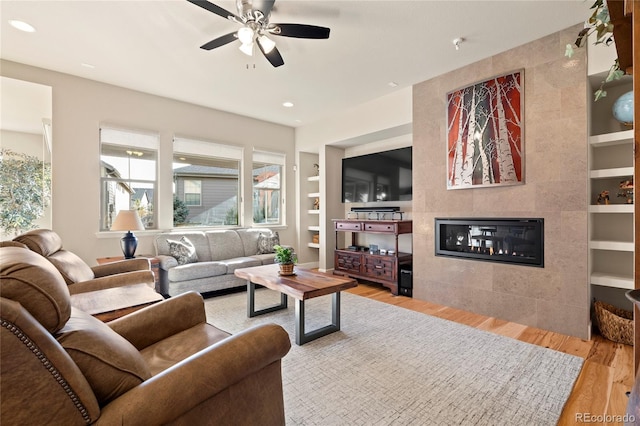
<point>383,176</point>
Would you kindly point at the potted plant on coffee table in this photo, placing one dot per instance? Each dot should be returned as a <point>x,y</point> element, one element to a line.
<point>286,258</point>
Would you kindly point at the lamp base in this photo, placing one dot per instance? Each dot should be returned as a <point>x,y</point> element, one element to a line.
<point>129,244</point>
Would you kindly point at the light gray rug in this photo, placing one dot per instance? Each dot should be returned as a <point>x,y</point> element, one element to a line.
<point>392,366</point>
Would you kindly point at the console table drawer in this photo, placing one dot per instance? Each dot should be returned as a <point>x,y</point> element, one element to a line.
<point>380,227</point>
<point>348,262</point>
<point>349,226</point>
<point>379,268</point>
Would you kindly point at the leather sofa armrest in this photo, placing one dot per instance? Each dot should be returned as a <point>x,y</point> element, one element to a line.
<point>110,281</point>
<point>127,265</point>
<point>193,381</point>
<point>157,322</point>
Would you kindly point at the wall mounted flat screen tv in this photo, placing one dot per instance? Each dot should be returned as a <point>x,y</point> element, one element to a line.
<point>382,176</point>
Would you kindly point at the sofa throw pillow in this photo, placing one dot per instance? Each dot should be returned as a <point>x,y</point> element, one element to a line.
<point>266,243</point>
<point>183,251</point>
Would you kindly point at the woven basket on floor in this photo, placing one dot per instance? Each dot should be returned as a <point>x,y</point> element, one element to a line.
<point>614,323</point>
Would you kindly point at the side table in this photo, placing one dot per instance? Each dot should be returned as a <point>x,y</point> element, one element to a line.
<point>154,261</point>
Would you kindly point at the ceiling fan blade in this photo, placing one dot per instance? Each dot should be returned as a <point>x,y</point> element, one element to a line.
<point>220,41</point>
<point>213,8</point>
<point>273,56</point>
<point>263,6</point>
<point>299,31</point>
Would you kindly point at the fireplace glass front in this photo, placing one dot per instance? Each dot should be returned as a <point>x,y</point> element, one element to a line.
<point>514,241</point>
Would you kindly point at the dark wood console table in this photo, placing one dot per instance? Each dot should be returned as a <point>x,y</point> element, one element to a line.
<point>376,267</point>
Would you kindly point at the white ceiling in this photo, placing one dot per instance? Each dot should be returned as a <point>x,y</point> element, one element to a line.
<point>153,47</point>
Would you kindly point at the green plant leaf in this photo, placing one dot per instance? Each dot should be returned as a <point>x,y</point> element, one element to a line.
<point>568,51</point>
<point>599,94</point>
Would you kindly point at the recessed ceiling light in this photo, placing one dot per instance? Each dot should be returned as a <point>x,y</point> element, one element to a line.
<point>287,104</point>
<point>22,26</point>
<point>88,65</point>
<point>392,84</point>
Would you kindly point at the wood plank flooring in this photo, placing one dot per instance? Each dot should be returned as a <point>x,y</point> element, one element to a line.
<point>606,376</point>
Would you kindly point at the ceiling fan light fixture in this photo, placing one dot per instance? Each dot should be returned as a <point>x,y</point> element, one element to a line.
<point>247,48</point>
<point>245,35</point>
<point>266,43</point>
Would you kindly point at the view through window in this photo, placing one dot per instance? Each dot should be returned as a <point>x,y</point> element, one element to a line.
<point>128,175</point>
<point>267,177</point>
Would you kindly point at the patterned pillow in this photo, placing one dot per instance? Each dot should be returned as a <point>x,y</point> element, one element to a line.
<point>183,251</point>
<point>266,243</point>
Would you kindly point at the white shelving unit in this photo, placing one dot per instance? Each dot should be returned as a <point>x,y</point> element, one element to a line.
<point>611,245</point>
<point>314,214</point>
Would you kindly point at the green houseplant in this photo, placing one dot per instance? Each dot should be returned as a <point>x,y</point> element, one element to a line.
<point>286,258</point>
<point>25,191</point>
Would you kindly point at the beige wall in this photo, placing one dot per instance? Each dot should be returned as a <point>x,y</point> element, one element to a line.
<point>81,105</point>
<point>555,138</point>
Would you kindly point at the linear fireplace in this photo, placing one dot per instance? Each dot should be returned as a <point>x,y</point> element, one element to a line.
<point>516,241</point>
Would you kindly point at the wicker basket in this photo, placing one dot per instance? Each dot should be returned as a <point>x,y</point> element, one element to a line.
<point>614,323</point>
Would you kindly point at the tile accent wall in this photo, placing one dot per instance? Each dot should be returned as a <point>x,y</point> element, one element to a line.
<point>555,172</point>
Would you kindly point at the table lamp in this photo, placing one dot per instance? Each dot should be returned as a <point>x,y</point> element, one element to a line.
<point>128,220</point>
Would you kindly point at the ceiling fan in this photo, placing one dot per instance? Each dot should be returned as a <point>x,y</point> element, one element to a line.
<point>254,16</point>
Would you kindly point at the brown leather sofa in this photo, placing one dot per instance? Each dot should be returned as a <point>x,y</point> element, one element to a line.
<point>161,365</point>
<point>77,274</point>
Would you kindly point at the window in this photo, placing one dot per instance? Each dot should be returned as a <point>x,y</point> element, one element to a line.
<point>192,192</point>
<point>128,175</point>
<point>267,178</point>
<point>206,183</point>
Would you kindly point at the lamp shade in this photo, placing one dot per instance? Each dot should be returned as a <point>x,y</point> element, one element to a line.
<point>127,220</point>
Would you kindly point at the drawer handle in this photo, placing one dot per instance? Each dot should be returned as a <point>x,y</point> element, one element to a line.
<point>379,266</point>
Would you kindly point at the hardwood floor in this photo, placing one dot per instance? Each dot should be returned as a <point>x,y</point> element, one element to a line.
<point>606,376</point>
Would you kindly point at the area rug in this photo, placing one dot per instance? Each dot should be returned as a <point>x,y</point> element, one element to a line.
<point>392,366</point>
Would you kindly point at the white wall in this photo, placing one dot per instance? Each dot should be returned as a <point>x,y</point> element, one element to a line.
<point>81,105</point>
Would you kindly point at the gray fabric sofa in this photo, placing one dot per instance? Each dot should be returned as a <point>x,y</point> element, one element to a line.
<point>219,254</point>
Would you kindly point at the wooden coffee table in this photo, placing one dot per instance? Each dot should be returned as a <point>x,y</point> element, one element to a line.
<point>115,302</point>
<point>305,284</point>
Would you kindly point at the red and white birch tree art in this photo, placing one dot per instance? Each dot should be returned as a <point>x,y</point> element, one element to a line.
<point>484,133</point>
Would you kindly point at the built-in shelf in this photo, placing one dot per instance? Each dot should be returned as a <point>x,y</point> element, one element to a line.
<point>313,178</point>
<point>610,280</point>
<point>611,208</point>
<point>314,228</point>
<point>609,173</point>
<point>313,245</point>
<point>611,245</point>
<point>615,138</point>
<point>313,195</point>
<point>313,211</point>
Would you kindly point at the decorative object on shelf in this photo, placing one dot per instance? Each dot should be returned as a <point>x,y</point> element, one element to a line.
<point>316,238</point>
<point>316,204</point>
<point>286,258</point>
<point>317,167</point>
<point>626,190</point>
<point>623,109</point>
<point>486,148</point>
<point>603,198</point>
<point>128,220</point>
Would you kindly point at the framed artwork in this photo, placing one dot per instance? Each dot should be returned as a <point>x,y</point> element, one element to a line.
<point>484,133</point>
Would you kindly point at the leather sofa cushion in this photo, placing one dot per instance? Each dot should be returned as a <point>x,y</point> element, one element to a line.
<point>168,352</point>
<point>111,364</point>
<point>72,268</point>
<point>45,242</point>
<point>240,262</point>
<point>29,279</point>
<point>194,271</point>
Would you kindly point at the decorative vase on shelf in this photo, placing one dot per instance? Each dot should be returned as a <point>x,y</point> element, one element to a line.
<point>623,109</point>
